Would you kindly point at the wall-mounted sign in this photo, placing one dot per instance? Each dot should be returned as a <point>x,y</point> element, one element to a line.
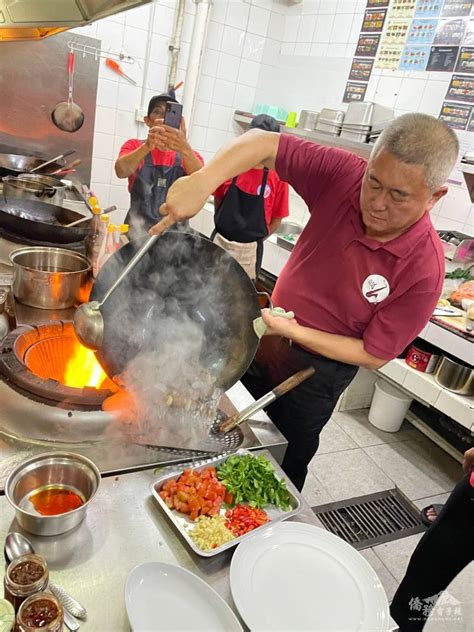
<point>466,60</point>
<point>389,57</point>
<point>461,88</point>
<point>422,32</point>
<point>377,4</point>
<point>456,8</point>
<point>414,58</point>
<point>367,45</point>
<point>361,69</point>
<point>442,58</point>
<point>450,32</point>
<point>396,31</point>
<point>428,8</point>
<point>354,92</point>
<point>373,20</point>
<point>402,8</point>
<point>455,115</point>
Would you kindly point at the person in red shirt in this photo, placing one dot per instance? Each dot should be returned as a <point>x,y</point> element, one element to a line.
<point>365,274</point>
<point>152,166</point>
<point>250,207</point>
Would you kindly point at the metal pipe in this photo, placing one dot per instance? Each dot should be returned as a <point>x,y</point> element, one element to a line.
<point>175,45</point>
<point>146,65</point>
<point>195,56</point>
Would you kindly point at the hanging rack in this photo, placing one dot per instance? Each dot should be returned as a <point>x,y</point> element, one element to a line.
<point>98,53</point>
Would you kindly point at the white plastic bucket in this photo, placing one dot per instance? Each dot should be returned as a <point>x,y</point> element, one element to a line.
<point>389,407</point>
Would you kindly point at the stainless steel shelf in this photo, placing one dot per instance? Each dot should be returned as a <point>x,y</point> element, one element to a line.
<point>360,149</point>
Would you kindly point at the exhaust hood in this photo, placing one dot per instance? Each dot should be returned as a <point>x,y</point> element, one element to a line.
<point>36,19</point>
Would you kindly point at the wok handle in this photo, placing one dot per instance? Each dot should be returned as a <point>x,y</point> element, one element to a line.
<point>45,164</point>
<point>289,384</point>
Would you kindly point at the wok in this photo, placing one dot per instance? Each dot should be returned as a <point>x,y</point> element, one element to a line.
<point>15,164</point>
<point>39,221</point>
<point>182,279</point>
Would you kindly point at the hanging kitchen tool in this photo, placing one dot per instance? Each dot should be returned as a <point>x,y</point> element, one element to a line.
<point>182,276</point>
<point>42,165</point>
<point>40,222</point>
<point>67,115</point>
<point>289,384</point>
<point>115,66</point>
<point>15,164</point>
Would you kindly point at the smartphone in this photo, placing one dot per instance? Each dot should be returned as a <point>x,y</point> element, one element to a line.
<point>173,114</point>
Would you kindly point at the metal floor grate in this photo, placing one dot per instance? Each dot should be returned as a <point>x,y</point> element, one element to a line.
<point>373,519</point>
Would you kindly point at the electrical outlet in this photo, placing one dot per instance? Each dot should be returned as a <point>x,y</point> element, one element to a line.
<point>140,115</point>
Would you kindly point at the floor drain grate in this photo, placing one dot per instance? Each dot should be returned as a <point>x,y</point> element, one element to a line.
<point>373,519</point>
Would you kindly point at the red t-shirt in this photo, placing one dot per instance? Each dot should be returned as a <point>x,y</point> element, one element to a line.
<point>339,280</point>
<point>158,157</point>
<point>276,192</point>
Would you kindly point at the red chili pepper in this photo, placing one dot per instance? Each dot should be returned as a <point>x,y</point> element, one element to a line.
<point>242,519</point>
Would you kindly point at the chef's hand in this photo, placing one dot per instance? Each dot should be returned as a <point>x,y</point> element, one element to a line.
<point>468,463</point>
<point>278,326</point>
<point>185,199</point>
<point>154,139</point>
<point>172,139</point>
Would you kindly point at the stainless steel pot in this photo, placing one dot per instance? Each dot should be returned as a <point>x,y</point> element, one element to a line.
<point>49,278</point>
<point>34,187</point>
<point>64,470</point>
<point>455,376</point>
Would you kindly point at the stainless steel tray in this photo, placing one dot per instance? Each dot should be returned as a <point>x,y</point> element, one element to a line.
<point>179,520</point>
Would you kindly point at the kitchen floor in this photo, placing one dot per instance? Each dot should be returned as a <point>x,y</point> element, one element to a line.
<point>355,458</point>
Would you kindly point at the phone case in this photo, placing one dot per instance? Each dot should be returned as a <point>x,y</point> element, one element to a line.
<point>173,114</point>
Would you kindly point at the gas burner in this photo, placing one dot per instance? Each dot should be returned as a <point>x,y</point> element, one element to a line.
<point>44,372</point>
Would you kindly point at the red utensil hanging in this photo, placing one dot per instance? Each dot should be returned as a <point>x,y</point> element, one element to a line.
<point>115,66</point>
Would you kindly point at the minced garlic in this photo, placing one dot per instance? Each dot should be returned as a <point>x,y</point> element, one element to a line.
<point>210,533</point>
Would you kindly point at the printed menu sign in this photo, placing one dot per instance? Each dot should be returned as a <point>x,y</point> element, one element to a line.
<point>461,88</point>
<point>456,8</point>
<point>389,57</point>
<point>402,8</point>
<point>414,58</point>
<point>450,32</point>
<point>373,20</point>
<point>374,4</point>
<point>361,69</point>
<point>469,34</point>
<point>422,32</point>
<point>354,92</point>
<point>442,58</point>
<point>466,60</point>
<point>455,115</point>
<point>428,8</point>
<point>367,45</point>
<point>396,31</point>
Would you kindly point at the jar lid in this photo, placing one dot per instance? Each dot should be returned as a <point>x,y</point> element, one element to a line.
<point>7,616</point>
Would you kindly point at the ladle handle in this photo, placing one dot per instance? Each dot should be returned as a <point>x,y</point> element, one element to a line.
<point>290,383</point>
<point>165,223</point>
<point>45,164</point>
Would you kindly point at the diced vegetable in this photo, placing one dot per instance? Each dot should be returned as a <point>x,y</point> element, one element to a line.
<point>210,533</point>
<point>194,493</point>
<point>242,519</point>
<point>252,479</point>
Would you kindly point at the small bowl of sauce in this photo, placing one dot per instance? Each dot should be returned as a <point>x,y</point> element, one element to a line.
<point>54,500</point>
<point>40,612</point>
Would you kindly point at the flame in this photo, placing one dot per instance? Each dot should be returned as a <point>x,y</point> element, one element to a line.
<point>83,369</point>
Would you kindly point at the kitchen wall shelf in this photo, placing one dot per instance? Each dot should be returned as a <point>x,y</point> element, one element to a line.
<point>360,149</point>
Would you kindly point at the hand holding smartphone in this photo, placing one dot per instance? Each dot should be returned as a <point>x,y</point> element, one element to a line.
<point>173,114</point>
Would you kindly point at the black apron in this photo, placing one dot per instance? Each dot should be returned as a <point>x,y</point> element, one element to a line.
<point>241,217</point>
<point>148,194</point>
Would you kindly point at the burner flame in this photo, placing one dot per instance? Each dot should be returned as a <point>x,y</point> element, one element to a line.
<point>83,369</point>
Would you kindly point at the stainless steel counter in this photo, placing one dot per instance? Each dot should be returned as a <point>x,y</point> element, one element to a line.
<point>124,527</point>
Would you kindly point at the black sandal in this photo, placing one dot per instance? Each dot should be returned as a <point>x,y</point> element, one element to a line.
<point>424,517</point>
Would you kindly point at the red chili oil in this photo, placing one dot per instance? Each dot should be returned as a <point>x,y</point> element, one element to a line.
<point>53,501</point>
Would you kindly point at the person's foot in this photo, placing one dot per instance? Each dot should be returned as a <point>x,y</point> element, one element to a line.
<point>429,514</point>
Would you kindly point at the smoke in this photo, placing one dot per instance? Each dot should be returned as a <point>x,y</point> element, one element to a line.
<point>178,332</point>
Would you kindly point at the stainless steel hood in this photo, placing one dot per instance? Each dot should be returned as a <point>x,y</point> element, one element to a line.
<point>37,19</point>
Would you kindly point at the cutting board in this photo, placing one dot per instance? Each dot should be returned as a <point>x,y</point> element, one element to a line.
<point>456,324</point>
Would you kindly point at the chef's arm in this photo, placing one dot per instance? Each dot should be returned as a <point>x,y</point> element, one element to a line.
<point>128,164</point>
<point>333,346</point>
<point>274,225</point>
<point>187,195</point>
<point>191,162</point>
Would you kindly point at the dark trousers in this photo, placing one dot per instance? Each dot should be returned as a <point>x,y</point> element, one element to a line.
<point>444,550</point>
<point>301,414</point>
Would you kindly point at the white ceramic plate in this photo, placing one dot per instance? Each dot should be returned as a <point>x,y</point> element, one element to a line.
<point>166,597</point>
<point>294,576</point>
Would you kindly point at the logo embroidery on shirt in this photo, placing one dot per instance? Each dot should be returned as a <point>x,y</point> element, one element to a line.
<point>375,288</point>
<point>267,190</point>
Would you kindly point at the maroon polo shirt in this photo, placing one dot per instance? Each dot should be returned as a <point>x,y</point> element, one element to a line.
<point>339,280</point>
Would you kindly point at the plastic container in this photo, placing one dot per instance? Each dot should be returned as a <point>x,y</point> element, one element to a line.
<point>389,407</point>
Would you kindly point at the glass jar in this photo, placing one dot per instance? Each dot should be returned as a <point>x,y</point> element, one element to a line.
<point>41,612</point>
<point>25,576</point>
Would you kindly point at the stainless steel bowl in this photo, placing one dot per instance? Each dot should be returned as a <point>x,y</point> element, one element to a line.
<point>49,278</point>
<point>32,186</point>
<point>59,469</point>
<point>455,376</point>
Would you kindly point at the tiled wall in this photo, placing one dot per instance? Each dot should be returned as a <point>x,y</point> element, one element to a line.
<point>317,46</point>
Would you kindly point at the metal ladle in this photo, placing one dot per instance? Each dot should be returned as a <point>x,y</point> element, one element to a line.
<point>17,545</point>
<point>88,321</point>
<point>67,115</point>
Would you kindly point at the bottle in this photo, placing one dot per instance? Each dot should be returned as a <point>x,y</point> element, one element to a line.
<point>25,576</point>
<point>4,320</point>
<point>41,612</point>
<point>109,246</point>
<point>100,243</point>
<point>91,239</point>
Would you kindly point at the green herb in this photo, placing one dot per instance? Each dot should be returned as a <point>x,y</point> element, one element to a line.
<point>459,273</point>
<point>252,479</point>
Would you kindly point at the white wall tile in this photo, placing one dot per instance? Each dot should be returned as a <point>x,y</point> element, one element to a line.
<point>228,67</point>
<point>134,42</point>
<point>290,32</point>
<point>254,46</point>
<point>125,124</point>
<point>119,195</point>
<point>342,28</point>
<point>220,117</point>
<point>198,137</point>
<point>318,50</point>
<point>287,48</point>
<point>223,92</point>
<point>336,50</point>
<point>128,97</point>
<point>249,72</point>
<point>215,139</point>
<point>233,41</point>
<point>138,18</point>
<point>219,10</point>
<point>105,120</point>
<point>276,26</point>
<point>323,29</point>
<point>303,48</point>
<point>205,89</point>
<point>346,6</point>
<point>215,32</point>
<point>433,96</point>
<point>244,98</point>
<point>159,49</point>
<point>210,61</point>
<point>387,90</point>
<point>237,14</point>
<point>328,7</point>
<point>410,93</point>
<point>102,192</point>
<point>310,7</point>
<point>111,34</point>
<point>201,113</point>
<point>164,20</point>
<point>102,170</point>
<point>258,21</point>
<point>103,145</point>
<point>107,92</point>
<point>306,28</point>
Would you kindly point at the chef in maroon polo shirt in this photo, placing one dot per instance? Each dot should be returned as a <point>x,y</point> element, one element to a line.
<point>365,274</point>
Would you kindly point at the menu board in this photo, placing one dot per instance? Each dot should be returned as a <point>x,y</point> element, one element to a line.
<point>442,58</point>
<point>470,125</point>
<point>455,115</point>
<point>456,8</point>
<point>428,8</point>
<point>450,32</point>
<point>389,57</point>
<point>373,20</point>
<point>367,45</point>
<point>396,31</point>
<point>421,32</point>
<point>402,8</point>
<point>469,34</point>
<point>377,4</point>
<point>361,69</point>
<point>461,88</point>
<point>414,58</point>
<point>466,60</point>
<point>354,92</point>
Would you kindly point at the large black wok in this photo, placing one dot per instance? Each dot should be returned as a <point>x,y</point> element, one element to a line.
<point>14,164</point>
<point>39,221</point>
<point>183,279</point>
